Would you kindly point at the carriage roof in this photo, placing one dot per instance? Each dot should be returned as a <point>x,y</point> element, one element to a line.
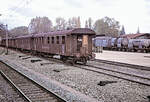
<point>76,31</point>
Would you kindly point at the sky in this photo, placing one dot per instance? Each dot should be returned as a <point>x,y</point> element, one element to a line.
<point>130,13</point>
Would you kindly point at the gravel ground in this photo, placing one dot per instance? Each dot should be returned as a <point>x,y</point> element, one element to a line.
<point>86,81</point>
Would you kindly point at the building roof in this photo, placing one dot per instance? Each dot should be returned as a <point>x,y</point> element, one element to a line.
<point>132,36</point>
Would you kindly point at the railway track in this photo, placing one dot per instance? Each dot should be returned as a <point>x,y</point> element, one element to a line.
<point>129,72</point>
<point>27,88</point>
<point>126,74</point>
<point>123,64</point>
<point>8,93</point>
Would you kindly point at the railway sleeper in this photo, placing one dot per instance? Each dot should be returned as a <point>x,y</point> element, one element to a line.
<point>32,92</point>
<point>35,60</point>
<point>26,58</point>
<point>148,98</point>
<point>103,83</point>
<point>39,94</point>
<point>46,63</point>
<point>45,99</point>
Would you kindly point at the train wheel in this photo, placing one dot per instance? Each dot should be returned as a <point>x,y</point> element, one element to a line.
<point>146,51</point>
<point>64,59</point>
<point>84,61</point>
<point>72,62</point>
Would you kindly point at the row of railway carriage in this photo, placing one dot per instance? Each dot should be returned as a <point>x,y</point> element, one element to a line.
<point>72,45</point>
<point>129,42</point>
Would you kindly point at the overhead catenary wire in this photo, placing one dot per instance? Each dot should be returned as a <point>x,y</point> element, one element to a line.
<point>21,4</point>
<point>11,11</point>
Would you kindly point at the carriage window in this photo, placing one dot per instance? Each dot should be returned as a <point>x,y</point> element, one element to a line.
<point>42,40</point>
<point>48,40</point>
<point>52,40</point>
<point>63,39</point>
<point>79,42</point>
<point>57,39</point>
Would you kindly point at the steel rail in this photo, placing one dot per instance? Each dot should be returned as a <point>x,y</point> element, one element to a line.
<point>81,66</point>
<point>114,75</point>
<point>123,64</point>
<point>117,71</point>
<point>17,88</point>
<point>56,95</point>
<point>110,70</point>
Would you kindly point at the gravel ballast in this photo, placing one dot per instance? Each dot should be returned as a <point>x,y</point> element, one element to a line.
<point>84,81</point>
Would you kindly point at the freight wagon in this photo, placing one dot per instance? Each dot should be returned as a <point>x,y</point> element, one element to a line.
<point>132,42</point>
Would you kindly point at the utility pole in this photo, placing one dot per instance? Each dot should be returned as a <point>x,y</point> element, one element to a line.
<point>6,40</point>
<point>6,36</point>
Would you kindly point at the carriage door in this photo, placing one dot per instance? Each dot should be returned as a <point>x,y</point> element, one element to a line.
<point>82,44</point>
<point>85,44</point>
<point>79,42</point>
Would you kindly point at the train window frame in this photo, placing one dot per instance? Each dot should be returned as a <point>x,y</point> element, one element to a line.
<point>79,42</point>
<point>39,40</point>
<point>48,40</point>
<point>52,40</point>
<point>63,40</point>
<point>42,40</point>
<point>57,39</point>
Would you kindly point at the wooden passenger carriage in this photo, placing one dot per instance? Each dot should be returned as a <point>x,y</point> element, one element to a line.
<point>73,45</point>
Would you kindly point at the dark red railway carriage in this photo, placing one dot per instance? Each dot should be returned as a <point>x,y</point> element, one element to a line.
<point>72,45</point>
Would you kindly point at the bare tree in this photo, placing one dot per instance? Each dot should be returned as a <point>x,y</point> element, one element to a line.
<point>74,22</point>
<point>88,23</point>
<point>122,32</point>
<point>2,30</point>
<point>138,31</point>
<point>39,25</point>
<point>107,26</point>
<point>22,30</point>
<point>60,24</point>
<point>78,22</point>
